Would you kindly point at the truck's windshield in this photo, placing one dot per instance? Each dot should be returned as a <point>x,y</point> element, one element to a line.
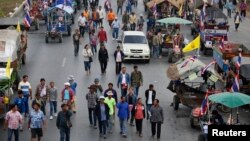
<point>135,39</point>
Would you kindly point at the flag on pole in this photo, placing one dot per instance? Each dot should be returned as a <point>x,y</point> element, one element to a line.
<point>8,68</point>
<point>238,61</point>
<point>204,104</point>
<point>154,9</point>
<point>236,87</point>
<point>207,66</point>
<point>202,16</point>
<point>28,2</point>
<point>188,60</point>
<point>195,44</point>
<point>18,28</point>
<point>180,11</point>
<point>27,20</point>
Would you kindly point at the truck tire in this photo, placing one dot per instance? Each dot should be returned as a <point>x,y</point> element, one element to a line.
<point>201,137</point>
<point>176,102</point>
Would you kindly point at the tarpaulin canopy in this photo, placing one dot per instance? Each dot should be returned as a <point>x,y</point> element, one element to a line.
<point>174,20</point>
<point>9,40</point>
<point>152,2</point>
<point>177,3</point>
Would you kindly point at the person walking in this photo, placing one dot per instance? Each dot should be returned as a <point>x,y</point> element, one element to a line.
<point>67,95</point>
<point>102,114</point>
<point>40,101</point>
<point>63,123</point>
<point>73,86</point>
<point>107,5</point>
<point>115,26</point>
<point>76,41</point>
<point>87,57</point>
<point>111,17</point>
<point>156,119</point>
<point>111,104</point>
<point>110,89</point>
<point>136,80</point>
<point>131,100</point>
<point>92,98</point>
<point>102,36</point>
<point>156,45</point>
<point>150,95</point>
<point>36,122</point>
<point>237,20</point>
<point>235,2</point>
<point>123,114</point>
<point>138,112</point>
<point>119,56</point>
<point>103,57</point>
<point>123,81</point>
<point>13,120</point>
<point>20,102</point>
<point>42,91</point>
<point>53,98</point>
<point>229,7</point>
<point>93,42</point>
<point>82,24</point>
<point>25,87</point>
<point>125,18</point>
<point>101,16</point>
<point>95,17</point>
<point>243,9</point>
<point>98,87</point>
<point>140,22</point>
<point>128,6</point>
<point>119,6</point>
<point>132,21</point>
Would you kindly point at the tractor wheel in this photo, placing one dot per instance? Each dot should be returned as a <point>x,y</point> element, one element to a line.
<point>176,102</point>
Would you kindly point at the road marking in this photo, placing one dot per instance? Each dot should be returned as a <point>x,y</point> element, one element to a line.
<point>64,61</point>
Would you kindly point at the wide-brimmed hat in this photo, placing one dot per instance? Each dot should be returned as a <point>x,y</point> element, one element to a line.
<point>71,77</point>
<point>101,97</point>
<point>66,84</point>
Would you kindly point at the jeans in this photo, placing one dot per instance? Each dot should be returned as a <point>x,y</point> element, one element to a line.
<point>92,117</point>
<point>103,66</point>
<point>118,67</point>
<point>102,127</point>
<point>156,51</point>
<point>26,104</point>
<point>129,9</point>
<point>64,132</point>
<point>123,125</point>
<point>236,26</point>
<point>138,124</point>
<point>93,49</point>
<point>132,118</point>
<point>115,33</point>
<point>53,106</point>
<point>82,30</point>
<point>136,90</point>
<point>110,122</point>
<point>119,8</point>
<point>132,26</point>
<point>43,107</point>
<point>16,134</point>
<point>148,107</point>
<point>153,128</point>
<point>229,13</point>
<point>124,91</point>
<point>76,48</point>
<point>87,65</point>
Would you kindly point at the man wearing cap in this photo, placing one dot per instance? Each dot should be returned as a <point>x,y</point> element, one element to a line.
<point>115,26</point>
<point>110,88</point>
<point>67,94</point>
<point>102,114</point>
<point>111,103</point>
<point>119,56</point>
<point>92,98</point>
<point>73,86</point>
<point>123,81</point>
<point>136,80</point>
<point>98,87</point>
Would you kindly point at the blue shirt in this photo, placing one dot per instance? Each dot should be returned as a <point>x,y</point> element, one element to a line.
<point>66,95</point>
<point>20,104</point>
<point>73,87</point>
<point>123,110</point>
<point>116,24</point>
<point>36,119</point>
<point>103,112</point>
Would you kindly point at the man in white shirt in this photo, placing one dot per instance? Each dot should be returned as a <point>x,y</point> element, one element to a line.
<point>25,87</point>
<point>101,16</point>
<point>150,95</point>
<point>82,23</point>
<point>115,26</point>
<point>119,55</point>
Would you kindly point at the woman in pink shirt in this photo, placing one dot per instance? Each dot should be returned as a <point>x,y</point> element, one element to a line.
<point>138,112</point>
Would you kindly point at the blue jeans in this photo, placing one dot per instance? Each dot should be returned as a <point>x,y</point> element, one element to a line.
<point>87,65</point>
<point>64,134</point>
<point>16,134</point>
<point>110,122</point>
<point>92,116</point>
<point>124,91</point>
<point>115,33</point>
<point>148,106</point>
<point>156,51</point>
<point>102,127</point>
<point>53,106</point>
<point>26,104</point>
<point>136,90</point>
<point>123,125</point>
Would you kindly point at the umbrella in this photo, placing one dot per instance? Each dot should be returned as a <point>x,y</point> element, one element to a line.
<point>67,9</point>
<point>231,100</point>
<point>174,20</point>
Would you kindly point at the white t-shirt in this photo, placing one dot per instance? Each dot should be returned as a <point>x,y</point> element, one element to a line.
<point>150,94</point>
<point>25,87</point>
<point>118,57</point>
<point>123,78</point>
<point>101,13</point>
<point>43,92</point>
<point>81,21</point>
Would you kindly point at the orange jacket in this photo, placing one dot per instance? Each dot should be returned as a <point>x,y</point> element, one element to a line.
<point>111,16</point>
<point>86,15</point>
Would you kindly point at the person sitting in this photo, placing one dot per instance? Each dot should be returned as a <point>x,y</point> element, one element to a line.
<point>217,118</point>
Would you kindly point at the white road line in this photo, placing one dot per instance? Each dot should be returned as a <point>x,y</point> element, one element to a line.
<point>64,61</point>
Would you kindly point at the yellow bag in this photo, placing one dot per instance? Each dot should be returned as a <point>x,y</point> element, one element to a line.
<point>6,100</point>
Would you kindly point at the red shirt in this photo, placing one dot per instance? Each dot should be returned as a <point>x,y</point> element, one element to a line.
<point>102,36</point>
<point>139,112</point>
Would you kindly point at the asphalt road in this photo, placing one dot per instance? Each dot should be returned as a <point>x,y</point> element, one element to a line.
<point>55,61</point>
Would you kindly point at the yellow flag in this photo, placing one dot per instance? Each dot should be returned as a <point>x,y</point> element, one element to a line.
<point>8,68</point>
<point>18,28</point>
<point>195,44</point>
<point>180,11</point>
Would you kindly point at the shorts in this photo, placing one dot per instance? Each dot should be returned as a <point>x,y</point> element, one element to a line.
<point>36,132</point>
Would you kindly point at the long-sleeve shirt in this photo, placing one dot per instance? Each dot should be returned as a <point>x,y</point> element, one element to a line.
<point>53,94</point>
<point>123,110</point>
<point>132,19</point>
<point>156,114</point>
<point>86,54</point>
<point>116,24</point>
<point>103,55</point>
<point>91,98</point>
<point>62,118</point>
<point>136,78</point>
<point>102,35</point>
